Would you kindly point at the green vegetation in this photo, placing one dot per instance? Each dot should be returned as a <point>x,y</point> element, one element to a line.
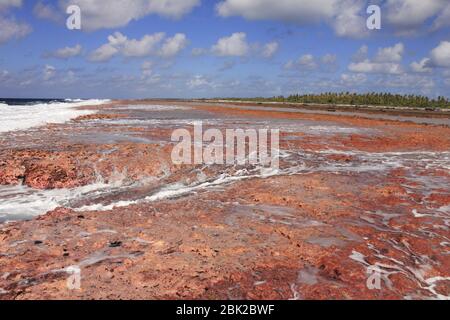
<point>373,99</point>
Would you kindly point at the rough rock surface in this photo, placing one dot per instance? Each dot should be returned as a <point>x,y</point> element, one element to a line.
<point>380,199</point>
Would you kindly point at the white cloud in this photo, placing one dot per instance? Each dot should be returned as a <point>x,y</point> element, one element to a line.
<point>108,50</point>
<point>443,19</point>
<point>387,60</point>
<point>118,13</point>
<point>236,45</point>
<point>423,66</point>
<point>345,16</point>
<point>305,62</point>
<point>148,45</point>
<point>173,46</point>
<point>198,81</point>
<point>440,56</point>
<point>233,46</point>
<point>390,54</point>
<point>348,21</point>
<point>67,52</point>
<point>104,53</point>
<point>285,10</point>
<point>47,11</point>
<point>270,49</point>
<point>140,48</point>
<point>12,29</point>
<point>308,62</point>
<point>407,16</point>
<point>368,66</point>
<point>353,79</point>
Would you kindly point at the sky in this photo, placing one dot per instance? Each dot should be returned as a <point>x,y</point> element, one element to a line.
<point>222,48</point>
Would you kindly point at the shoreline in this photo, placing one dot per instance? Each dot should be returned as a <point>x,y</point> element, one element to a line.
<point>341,107</point>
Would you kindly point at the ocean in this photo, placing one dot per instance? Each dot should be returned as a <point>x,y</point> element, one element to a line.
<point>22,114</point>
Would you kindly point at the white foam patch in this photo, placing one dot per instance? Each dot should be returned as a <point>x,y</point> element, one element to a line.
<point>21,202</point>
<point>178,189</point>
<point>18,117</point>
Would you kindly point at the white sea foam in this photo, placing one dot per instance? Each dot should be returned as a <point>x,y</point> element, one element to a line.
<point>22,117</point>
<point>21,202</point>
<point>177,189</point>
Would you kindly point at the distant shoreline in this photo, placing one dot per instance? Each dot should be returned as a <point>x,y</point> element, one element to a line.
<point>389,110</point>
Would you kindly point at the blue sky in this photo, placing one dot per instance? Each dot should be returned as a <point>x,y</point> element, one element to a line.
<point>207,48</point>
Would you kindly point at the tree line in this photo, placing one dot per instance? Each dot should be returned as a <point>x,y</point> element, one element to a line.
<point>356,99</point>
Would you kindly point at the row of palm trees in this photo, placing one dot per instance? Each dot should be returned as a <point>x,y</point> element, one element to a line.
<point>373,98</point>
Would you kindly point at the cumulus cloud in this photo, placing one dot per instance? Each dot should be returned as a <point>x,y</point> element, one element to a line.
<point>139,48</point>
<point>443,19</point>
<point>353,79</point>
<point>233,46</point>
<point>47,11</point>
<point>308,62</point>
<point>305,62</point>
<point>108,50</point>
<point>440,56</point>
<point>67,52</point>
<point>236,45</point>
<point>10,28</point>
<point>148,45</point>
<point>390,54</point>
<point>285,10</point>
<point>348,20</point>
<point>387,60</point>
<point>173,46</point>
<point>408,16</point>
<point>423,66</point>
<point>97,14</point>
<point>198,81</point>
<point>345,16</point>
<point>368,66</point>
